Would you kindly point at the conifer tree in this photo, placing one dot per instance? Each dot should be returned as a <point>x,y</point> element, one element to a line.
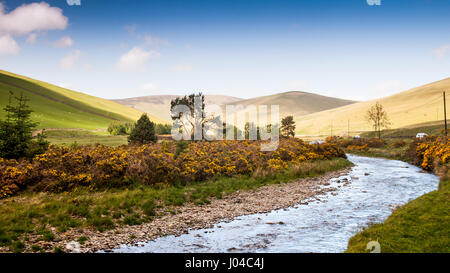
<point>143,132</point>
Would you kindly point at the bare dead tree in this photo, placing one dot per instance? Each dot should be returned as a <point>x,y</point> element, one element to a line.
<point>378,118</point>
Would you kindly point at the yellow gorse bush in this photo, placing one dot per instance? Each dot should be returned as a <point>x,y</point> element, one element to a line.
<point>63,168</point>
<point>432,151</point>
<point>356,144</point>
<point>359,148</point>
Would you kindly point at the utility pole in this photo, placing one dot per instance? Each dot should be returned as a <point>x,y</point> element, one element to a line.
<point>348,128</point>
<point>445,115</point>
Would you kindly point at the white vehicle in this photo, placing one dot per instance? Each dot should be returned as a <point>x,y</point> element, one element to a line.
<point>356,137</point>
<point>317,142</point>
<point>421,135</point>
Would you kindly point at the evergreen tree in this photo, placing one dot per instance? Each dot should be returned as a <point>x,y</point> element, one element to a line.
<point>38,146</point>
<point>143,132</point>
<point>16,131</point>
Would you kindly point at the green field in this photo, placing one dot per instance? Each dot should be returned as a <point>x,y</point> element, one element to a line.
<point>84,137</point>
<point>56,107</point>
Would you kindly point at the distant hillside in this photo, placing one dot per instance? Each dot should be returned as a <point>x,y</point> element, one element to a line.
<point>297,103</point>
<point>417,105</point>
<point>159,105</point>
<point>57,107</point>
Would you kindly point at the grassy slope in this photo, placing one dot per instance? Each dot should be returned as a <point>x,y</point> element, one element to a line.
<point>291,103</point>
<point>420,226</point>
<point>37,213</point>
<point>297,103</point>
<point>159,105</point>
<point>417,105</point>
<point>56,107</point>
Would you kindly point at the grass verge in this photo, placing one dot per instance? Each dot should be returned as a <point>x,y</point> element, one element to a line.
<point>44,214</point>
<point>421,226</point>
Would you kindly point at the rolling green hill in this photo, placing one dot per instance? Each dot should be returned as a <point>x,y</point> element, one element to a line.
<point>57,107</point>
<point>414,106</point>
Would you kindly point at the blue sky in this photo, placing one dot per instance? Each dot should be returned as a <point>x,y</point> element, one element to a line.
<point>242,48</point>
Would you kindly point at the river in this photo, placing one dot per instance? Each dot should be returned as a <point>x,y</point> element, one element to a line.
<point>377,187</point>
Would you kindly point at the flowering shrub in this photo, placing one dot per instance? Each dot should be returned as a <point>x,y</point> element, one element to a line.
<point>358,142</point>
<point>63,168</point>
<point>399,143</point>
<point>432,150</point>
<point>14,175</point>
<point>359,148</point>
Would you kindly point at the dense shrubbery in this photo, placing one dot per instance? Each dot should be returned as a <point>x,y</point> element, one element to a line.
<point>430,152</point>
<point>63,168</point>
<point>358,148</point>
<point>163,129</point>
<point>118,128</point>
<point>399,144</point>
<point>360,144</point>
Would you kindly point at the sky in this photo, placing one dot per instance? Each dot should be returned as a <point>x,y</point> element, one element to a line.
<point>243,48</point>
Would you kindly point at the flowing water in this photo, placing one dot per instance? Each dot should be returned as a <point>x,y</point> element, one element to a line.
<point>377,187</point>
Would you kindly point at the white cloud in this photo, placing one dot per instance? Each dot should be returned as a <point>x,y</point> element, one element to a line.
<point>64,42</point>
<point>440,52</point>
<point>135,59</point>
<point>31,39</point>
<point>149,87</point>
<point>181,67</point>
<point>70,60</point>
<point>24,20</point>
<point>31,17</point>
<point>8,46</point>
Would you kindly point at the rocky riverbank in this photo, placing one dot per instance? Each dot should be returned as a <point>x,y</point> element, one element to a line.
<point>190,216</point>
